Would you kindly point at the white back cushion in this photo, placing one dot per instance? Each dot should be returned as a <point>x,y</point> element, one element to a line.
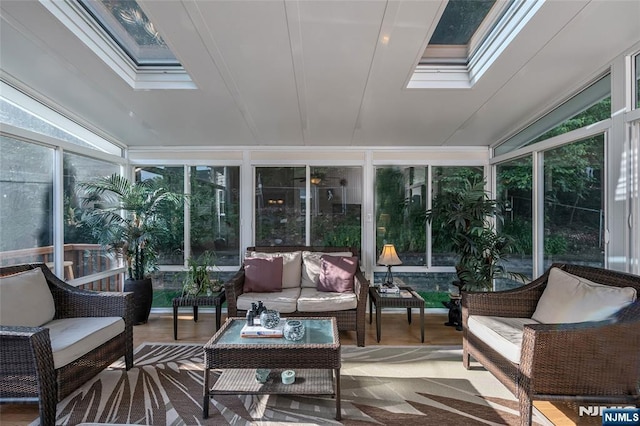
<point>25,299</point>
<point>311,261</point>
<point>291,266</point>
<point>569,299</point>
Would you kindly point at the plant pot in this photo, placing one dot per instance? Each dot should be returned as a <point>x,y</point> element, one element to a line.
<point>142,298</point>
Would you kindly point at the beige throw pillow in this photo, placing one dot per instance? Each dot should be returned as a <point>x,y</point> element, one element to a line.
<point>570,299</point>
<point>25,299</point>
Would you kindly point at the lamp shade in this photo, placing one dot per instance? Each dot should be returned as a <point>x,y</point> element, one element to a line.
<point>389,257</point>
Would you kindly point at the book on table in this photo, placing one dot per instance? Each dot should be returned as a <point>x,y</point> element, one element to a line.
<point>389,288</point>
<point>405,294</point>
<point>260,331</point>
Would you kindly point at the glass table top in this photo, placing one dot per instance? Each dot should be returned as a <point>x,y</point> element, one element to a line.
<point>317,331</point>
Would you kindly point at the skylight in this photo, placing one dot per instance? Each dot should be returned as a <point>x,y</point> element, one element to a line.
<point>469,36</point>
<point>460,20</point>
<point>128,25</point>
<point>121,34</point>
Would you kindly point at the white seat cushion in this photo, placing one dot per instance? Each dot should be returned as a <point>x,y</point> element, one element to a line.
<point>311,262</point>
<point>71,338</point>
<point>569,299</point>
<point>25,299</point>
<point>291,266</point>
<point>283,301</point>
<point>312,300</point>
<point>504,335</point>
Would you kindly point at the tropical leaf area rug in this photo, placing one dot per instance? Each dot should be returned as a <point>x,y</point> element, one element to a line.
<point>381,385</point>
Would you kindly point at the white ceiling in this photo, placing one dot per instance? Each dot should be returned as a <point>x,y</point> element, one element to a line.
<point>309,73</point>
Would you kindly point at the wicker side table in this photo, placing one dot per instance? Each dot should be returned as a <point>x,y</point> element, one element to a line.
<point>386,300</point>
<point>215,300</point>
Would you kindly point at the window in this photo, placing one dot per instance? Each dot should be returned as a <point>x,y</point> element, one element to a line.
<point>589,106</point>
<point>458,23</point>
<point>401,197</point>
<point>21,111</point>
<point>514,192</point>
<point>82,253</point>
<point>280,206</point>
<point>26,206</point>
<point>214,212</point>
<point>573,206</point>
<point>336,206</point>
<point>326,210</point>
<point>401,202</point>
<point>171,242</point>
<point>446,180</point>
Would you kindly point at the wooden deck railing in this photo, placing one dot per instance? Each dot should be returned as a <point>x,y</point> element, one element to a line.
<point>80,260</point>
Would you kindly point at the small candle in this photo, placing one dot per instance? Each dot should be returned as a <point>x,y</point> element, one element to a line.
<point>288,377</point>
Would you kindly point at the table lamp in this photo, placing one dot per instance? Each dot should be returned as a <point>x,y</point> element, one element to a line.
<point>389,258</point>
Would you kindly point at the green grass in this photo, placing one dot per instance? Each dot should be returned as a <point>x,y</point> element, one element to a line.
<point>163,298</point>
<point>434,299</point>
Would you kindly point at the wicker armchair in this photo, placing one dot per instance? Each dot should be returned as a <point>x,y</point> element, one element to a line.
<point>348,320</point>
<point>27,373</point>
<point>589,362</point>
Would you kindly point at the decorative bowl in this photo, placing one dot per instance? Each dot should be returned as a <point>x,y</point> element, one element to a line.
<point>293,330</point>
<point>270,318</point>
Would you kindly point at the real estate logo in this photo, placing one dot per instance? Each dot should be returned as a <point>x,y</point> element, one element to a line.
<point>627,416</point>
<point>599,411</point>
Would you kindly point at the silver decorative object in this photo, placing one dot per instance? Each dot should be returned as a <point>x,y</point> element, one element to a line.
<point>293,330</point>
<point>270,318</point>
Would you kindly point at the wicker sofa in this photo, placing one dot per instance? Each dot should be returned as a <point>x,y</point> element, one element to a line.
<point>303,301</point>
<point>590,362</point>
<point>44,362</point>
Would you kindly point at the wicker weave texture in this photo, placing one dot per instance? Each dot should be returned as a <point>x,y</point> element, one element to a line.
<point>195,301</point>
<point>265,354</point>
<point>307,382</point>
<point>317,366</point>
<point>591,361</point>
<point>348,320</point>
<point>27,372</point>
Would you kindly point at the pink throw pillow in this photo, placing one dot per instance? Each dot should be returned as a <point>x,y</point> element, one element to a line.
<point>336,273</point>
<point>262,275</point>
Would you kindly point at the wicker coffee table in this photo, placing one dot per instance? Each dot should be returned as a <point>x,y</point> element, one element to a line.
<point>386,300</point>
<point>315,360</point>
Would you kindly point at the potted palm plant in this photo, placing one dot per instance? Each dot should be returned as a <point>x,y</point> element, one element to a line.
<point>125,218</point>
<point>463,223</point>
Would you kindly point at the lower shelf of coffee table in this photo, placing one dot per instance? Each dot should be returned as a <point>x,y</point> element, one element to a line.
<point>308,381</point>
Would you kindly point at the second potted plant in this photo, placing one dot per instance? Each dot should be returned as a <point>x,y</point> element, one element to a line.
<point>197,281</point>
<point>126,218</point>
<point>462,223</point>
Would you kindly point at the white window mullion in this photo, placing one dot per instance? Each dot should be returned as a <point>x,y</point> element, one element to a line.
<point>187,214</point>
<point>429,227</point>
<point>58,212</point>
<point>307,202</point>
<point>537,197</point>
